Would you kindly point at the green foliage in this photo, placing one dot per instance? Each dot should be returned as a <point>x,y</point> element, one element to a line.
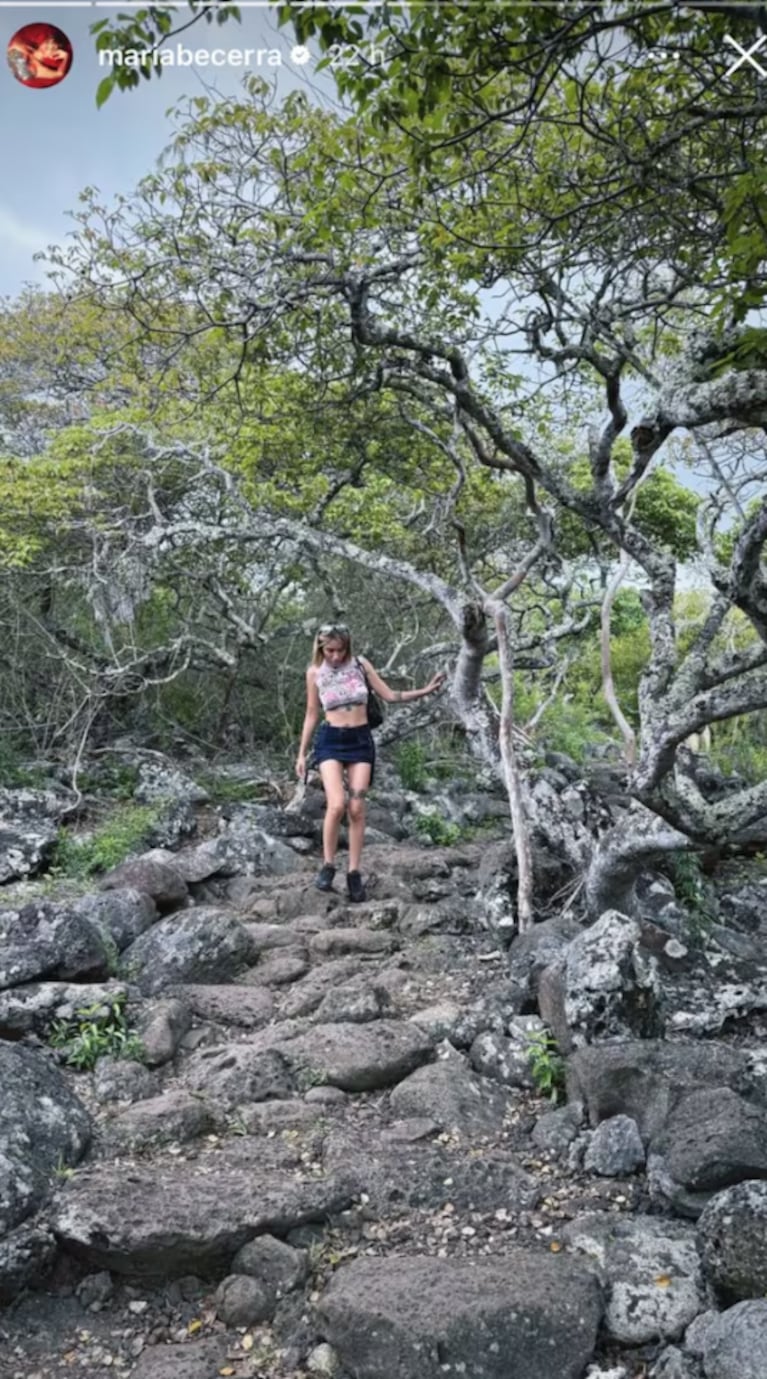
<point>15,776</point>
<point>432,825</point>
<point>571,726</point>
<point>410,761</point>
<point>115,778</point>
<point>97,1031</point>
<point>694,895</point>
<point>109,844</point>
<point>227,790</point>
<point>546,1063</point>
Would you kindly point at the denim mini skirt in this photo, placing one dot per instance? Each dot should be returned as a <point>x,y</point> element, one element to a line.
<point>346,745</point>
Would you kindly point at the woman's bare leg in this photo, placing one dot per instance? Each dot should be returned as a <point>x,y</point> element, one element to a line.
<point>332,774</point>
<point>359,782</point>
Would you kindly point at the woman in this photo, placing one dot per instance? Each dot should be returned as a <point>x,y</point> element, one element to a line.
<point>336,684</point>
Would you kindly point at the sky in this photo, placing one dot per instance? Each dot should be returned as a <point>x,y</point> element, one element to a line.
<point>56,142</point>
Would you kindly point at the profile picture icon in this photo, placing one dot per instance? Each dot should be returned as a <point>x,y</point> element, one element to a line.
<point>39,55</point>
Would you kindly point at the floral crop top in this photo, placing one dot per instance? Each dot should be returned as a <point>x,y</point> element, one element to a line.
<point>341,685</point>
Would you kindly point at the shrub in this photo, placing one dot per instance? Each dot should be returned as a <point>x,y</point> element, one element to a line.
<point>546,1063</point>
<point>108,845</point>
<point>433,826</point>
<point>97,1031</point>
<point>693,893</point>
<point>410,761</point>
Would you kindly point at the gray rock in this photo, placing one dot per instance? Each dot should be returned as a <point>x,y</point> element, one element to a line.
<point>556,1130</point>
<point>356,1002</point>
<point>26,1255</point>
<point>710,1140</point>
<point>161,1027</point>
<point>615,1149</point>
<point>278,969</point>
<point>28,831</point>
<point>265,937</point>
<point>242,1301</point>
<point>175,822</point>
<point>732,1238</point>
<point>158,782</point>
<point>322,1359</point>
<point>199,1360</point>
<point>159,879</point>
<point>603,987</point>
<point>535,950</point>
<point>236,1074</point>
<point>240,849</point>
<point>358,1058</point>
<point>36,1006</point>
<point>95,1288</point>
<point>43,1126</point>
<point>407,1171</point>
<point>334,943</point>
<point>412,1317</point>
<point>306,995</point>
<point>736,1344</point>
<point>644,1079</point>
<point>503,1060</point>
<point>122,1079</point>
<point>122,914</point>
<point>278,1268</point>
<point>49,939</point>
<point>439,1020</point>
<point>248,1006</point>
<point>451,1095</point>
<point>651,1273</point>
<point>672,1363</point>
<point>202,945</point>
<point>172,1117</point>
<point>170,1219</point>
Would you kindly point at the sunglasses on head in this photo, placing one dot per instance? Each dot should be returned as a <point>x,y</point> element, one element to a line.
<point>328,627</point>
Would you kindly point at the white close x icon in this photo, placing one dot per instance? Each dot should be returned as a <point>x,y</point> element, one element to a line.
<point>745,54</point>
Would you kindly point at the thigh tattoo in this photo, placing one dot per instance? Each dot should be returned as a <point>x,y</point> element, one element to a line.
<point>357,794</point>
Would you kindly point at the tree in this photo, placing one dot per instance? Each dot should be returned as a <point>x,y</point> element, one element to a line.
<point>286,235</point>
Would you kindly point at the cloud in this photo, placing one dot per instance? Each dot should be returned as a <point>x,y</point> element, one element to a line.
<point>18,237</point>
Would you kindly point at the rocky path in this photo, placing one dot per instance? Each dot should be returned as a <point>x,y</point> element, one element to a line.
<point>336,1163</point>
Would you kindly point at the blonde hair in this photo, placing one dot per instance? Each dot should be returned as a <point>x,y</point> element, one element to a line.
<point>331,632</point>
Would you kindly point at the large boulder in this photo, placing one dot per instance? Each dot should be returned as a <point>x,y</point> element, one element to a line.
<point>358,1058</point>
<point>732,1238</point>
<point>711,1139</point>
<point>451,1095</point>
<point>651,1273</point>
<point>645,1078</point>
<point>168,1219</point>
<point>734,1343</point>
<point>121,914</point>
<point>26,1254</point>
<point>420,1318</point>
<point>161,782</point>
<point>535,950</point>
<point>43,1127</point>
<point>201,945</point>
<point>154,876</point>
<point>50,939</point>
<point>28,830</point>
<point>603,987</point>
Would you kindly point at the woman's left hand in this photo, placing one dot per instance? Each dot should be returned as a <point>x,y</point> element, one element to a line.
<point>436,682</point>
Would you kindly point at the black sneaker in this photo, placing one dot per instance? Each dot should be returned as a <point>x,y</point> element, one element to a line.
<point>355,886</point>
<point>324,881</point>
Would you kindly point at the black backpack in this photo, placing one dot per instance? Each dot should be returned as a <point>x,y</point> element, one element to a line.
<point>375,707</point>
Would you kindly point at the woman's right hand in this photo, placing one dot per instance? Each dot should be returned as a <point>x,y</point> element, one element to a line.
<point>300,766</point>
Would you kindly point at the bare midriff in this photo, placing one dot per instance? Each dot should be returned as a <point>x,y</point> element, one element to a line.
<point>350,716</point>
